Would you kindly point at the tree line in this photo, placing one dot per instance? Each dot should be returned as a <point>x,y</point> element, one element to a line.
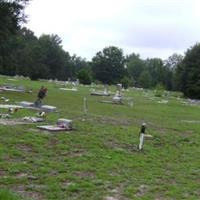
<point>22,53</point>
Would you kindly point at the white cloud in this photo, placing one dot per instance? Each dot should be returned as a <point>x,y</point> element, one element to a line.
<point>153,27</point>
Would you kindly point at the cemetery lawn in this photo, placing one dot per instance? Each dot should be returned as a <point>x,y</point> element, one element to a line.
<point>99,159</point>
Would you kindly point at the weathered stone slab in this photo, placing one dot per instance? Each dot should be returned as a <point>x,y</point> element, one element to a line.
<point>31,105</point>
<point>9,106</point>
<point>61,125</point>
<point>69,89</point>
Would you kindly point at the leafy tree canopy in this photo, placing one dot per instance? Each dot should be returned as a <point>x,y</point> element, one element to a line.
<point>189,72</point>
<point>108,65</point>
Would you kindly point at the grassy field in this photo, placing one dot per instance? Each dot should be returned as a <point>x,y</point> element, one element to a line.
<point>99,159</point>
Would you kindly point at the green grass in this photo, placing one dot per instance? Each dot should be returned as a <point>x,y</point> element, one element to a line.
<point>99,158</point>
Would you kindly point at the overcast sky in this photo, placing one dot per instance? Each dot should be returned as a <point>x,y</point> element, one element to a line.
<point>152,28</point>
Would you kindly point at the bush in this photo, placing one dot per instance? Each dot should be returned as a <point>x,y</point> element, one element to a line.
<point>159,90</point>
<point>84,77</point>
<point>126,82</point>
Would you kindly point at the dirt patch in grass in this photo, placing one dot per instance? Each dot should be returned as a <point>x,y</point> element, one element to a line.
<point>162,198</point>
<point>52,142</point>
<point>65,184</point>
<point>21,190</point>
<point>24,147</point>
<point>25,175</point>
<point>112,121</point>
<point>21,175</point>
<point>116,194</point>
<point>2,172</point>
<point>37,187</point>
<point>53,173</point>
<point>141,190</point>
<point>12,122</point>
<point>74,153</point>
<point>113,144</point>
<point>186,133</point>
<point>85,174</point>
<point>11,158</point>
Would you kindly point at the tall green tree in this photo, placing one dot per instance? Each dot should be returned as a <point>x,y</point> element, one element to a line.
<point>11,17</point>
<point>170,75</point>
<point>53,56</point>
<point>173,61</point>
<point>79,64</point>
<point>189,72</point>
<point>108,65</point>
<point>135,66</point>
<point>156,68</point>
<point>145,79</point>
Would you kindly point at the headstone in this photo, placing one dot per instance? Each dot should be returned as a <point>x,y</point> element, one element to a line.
<point>142,136</point>
<point>105,89</point>
<point>117,99</point>
<point>130,103</point>
<point>142,132</point>
<point>119,90</point>
<point>64,123</point>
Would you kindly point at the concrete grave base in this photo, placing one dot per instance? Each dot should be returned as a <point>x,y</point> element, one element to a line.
<point>69,89</point>
<point>48,108</point>
<point>12,122</point>
<point>99,94</point>
<point>33,119</point>
<point>61,125</point>
<point>52,128</point>
<point>11,89</point>
<point>31,105</point>
<point>112,102</point>
<point>10,106</point>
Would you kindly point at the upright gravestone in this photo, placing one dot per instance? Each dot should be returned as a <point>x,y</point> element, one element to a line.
<point>119,90</point>
<point>142,136</point>
<point>105,89</point>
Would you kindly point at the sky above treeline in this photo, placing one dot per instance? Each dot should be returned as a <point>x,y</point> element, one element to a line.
<point>151,28</point>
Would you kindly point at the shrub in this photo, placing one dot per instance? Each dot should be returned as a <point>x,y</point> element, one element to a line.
<point>84,77</point>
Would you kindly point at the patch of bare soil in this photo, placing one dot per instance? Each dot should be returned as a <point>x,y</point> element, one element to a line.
<point>21,175</point>
<point>12,122</point>
<point>85,174</point>
<point>65,184</point>
<point>186,133</point>
<point>24,147</point>
<point>160,198</point>
<point>76,153</point>
<point>36,187</point>
<point>116,194</point>
<point>53,173</point>
<point>53,142</point>
<point>142,190</point>
<point>112,121</point>
<point>21,190</point>
<point>2,172</point>
<point>121,146</point>
<point>12,159</point>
